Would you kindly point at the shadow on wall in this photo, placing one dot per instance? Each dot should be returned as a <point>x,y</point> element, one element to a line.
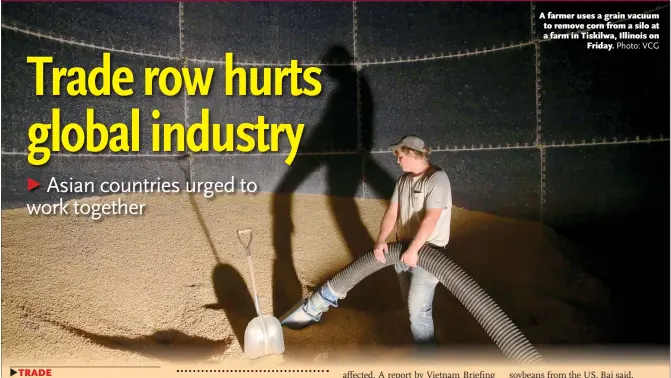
<point>346,125</point>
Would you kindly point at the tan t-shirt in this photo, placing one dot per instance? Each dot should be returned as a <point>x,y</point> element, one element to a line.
<point>416,194</point>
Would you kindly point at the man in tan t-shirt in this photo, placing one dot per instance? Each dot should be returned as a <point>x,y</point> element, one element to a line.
<point>420,210</point>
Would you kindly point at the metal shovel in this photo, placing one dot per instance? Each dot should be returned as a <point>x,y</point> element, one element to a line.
<point>263,335</point>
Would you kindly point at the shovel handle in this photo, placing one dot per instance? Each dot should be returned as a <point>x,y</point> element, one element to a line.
<point>248,249</point>
<point>253,278</point>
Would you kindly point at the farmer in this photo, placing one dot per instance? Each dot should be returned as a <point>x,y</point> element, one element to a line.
<point>420,211</point>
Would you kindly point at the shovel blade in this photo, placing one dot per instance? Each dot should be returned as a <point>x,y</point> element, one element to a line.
<point>263,337</point>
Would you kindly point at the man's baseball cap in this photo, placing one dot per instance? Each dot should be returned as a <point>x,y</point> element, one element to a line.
<point>412,142</point>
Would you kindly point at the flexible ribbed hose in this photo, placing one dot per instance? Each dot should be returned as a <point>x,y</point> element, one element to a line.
<point>479,304</point>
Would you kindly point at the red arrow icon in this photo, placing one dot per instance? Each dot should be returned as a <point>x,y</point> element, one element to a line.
<point>32,184</point>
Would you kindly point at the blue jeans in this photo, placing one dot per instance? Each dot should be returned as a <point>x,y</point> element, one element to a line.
<point>418,288</point>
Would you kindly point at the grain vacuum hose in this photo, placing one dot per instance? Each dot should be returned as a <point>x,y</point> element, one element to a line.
<point>479,304</point>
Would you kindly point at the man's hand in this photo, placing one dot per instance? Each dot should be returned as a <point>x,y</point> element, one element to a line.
<point>410,258</point>
<point>379,250</point>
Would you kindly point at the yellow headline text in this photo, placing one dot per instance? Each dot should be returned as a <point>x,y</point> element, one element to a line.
<point>107,79</point>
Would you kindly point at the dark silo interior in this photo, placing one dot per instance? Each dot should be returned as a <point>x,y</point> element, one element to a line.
<point>548,145</point>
